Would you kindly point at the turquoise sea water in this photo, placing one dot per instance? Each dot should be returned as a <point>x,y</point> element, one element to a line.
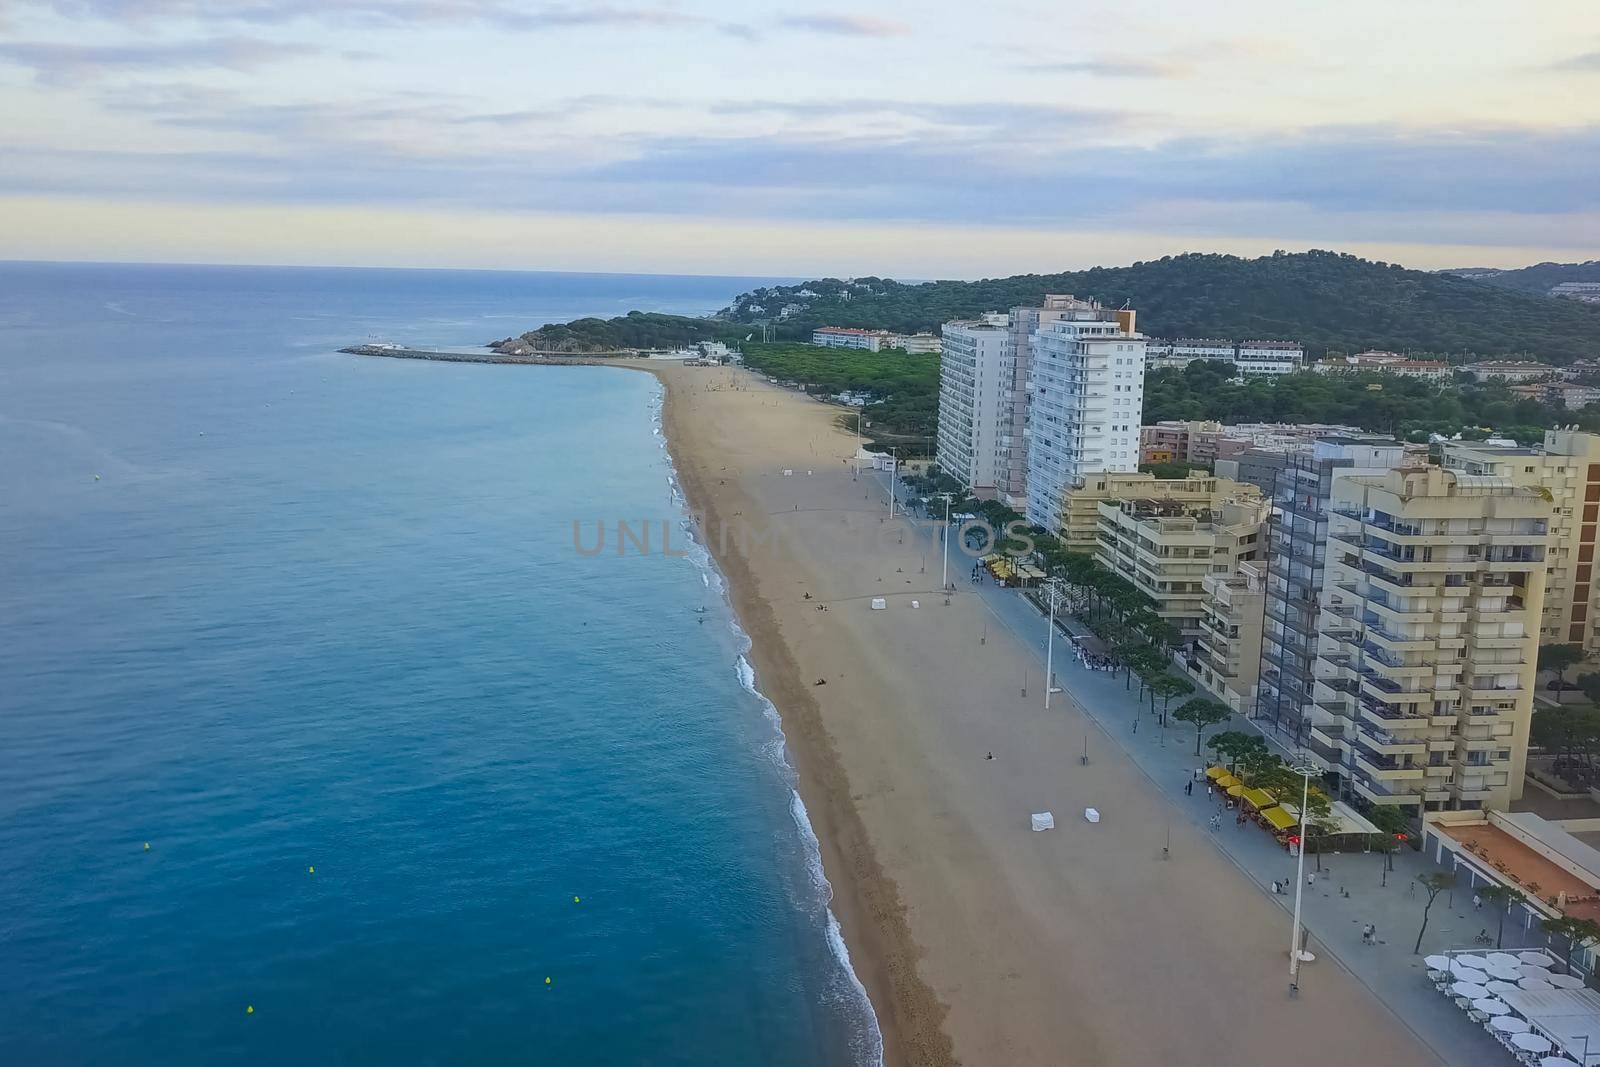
<point>324,611</point>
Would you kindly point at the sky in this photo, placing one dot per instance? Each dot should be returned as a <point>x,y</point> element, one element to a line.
<point>936,139</point>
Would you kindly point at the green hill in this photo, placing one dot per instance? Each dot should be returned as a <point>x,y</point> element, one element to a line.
<point>1538,279</point>
<point>1327,300</point>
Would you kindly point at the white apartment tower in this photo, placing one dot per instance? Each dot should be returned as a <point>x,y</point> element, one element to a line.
<point>975,403</point>
<point>1086,403</point>
<point>1012,475</point>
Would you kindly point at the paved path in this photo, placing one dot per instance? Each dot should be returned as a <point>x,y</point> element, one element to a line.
<point>1349,891</point>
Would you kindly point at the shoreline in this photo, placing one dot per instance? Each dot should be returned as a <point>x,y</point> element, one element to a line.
<point>877,938</point>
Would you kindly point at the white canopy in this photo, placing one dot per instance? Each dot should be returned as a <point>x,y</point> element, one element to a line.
<point>1437,963</point>
<point>1536,959</point>
<point>1467,959</point>
<point>1565,981</point>
<point>1509,1024</point>
<point>1570,1017</point>
<point>1556,1061</point>
<point>1502,959</point>
<point>1502,988</point>
<point>1491,1006</point>
<point>1470,990</point>
<point>1530,1043</point>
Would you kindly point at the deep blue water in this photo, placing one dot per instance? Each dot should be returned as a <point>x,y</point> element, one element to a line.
<point>325,611</point>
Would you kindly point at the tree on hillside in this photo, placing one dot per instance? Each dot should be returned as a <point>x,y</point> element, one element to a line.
<point>1202,713</point>
<point>1432,884</point>
<point>1559,658</point>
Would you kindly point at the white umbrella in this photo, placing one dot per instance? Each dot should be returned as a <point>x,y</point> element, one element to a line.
<point>1437,963</point>
<point>1502,959</point>
<point>1491,1006</point>
<point>1502,988</point>
<point>1536,959</point>
<point>1528,970</point>
<point>1509,1024</point>
<point>1556,1061</point>
<point>1467,959</point>
<point>1531,1042</point>
<point>1461,970</point>
<point>1470,990</point>
<point>1565,981</point>
<point>1531,984</point>
<point>1504,974</point>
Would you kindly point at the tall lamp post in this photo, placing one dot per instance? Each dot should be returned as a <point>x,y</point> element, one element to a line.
<point>1052,592</point>
<point>1305,769</point>
<point>945,537</point>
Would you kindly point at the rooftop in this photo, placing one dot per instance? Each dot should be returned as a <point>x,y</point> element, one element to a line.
<point>1498,852</point>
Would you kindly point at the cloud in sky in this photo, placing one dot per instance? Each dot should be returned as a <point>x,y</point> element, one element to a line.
<point>620,108</point>
<point>58,62</point>
<point>1110,67</point>
<point>847,25</point>
<point>1588,61</point>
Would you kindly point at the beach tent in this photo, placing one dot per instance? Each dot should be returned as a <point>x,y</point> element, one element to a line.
<point>1236,789</point>
<point>1214,773</point>
<point>1043,820</point>
<point>1227,781</point>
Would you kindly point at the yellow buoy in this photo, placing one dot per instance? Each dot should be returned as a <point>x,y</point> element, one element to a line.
<point>547,981</point>
<point>147,846</point>
<point>575,900</point>
<point>311,870</point>
<point>250,1009</point>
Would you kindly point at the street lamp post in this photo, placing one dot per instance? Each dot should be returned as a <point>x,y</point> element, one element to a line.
<point>945,536</point>
<point>1305,768</point>
<point>1053,594</point>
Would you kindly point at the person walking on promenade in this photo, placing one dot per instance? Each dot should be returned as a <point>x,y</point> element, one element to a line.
<point>1188,787</point>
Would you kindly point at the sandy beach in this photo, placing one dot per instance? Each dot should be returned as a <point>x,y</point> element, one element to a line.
<point>979,941</point>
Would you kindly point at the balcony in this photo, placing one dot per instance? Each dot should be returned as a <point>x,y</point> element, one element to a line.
<point>1379,793</point>
<point>1389,744</point>
<point>1386,718</point>
<point>1386,770</point>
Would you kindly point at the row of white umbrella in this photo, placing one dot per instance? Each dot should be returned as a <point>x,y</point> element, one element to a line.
<point>1479,977</point>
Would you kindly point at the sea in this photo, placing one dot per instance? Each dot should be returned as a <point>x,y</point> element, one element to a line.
<point>320,740</point>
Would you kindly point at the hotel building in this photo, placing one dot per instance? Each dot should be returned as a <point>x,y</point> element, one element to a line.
<point>975,403</point>
<point>1086,401</point>
<point>1429,633</point>
<point>1227,658</point>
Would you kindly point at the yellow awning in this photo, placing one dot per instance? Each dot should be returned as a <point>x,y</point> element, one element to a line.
<point>1280,819</point>
<point>1226,781</point>
<point>1259,798</point>
<point>1236,789</point>
<point>1214,773</point>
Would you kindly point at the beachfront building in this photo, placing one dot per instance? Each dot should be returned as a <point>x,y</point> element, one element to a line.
<point>1566,468</point>
<point>1428,370</point>
<point>1167,549</point>
<point>1226,659</point>
<point>1429,632</point>
<point>1296,546</point>
<point>1079,517</point>
<point>1086,402</point>
<point>848,337</point>
<point>1026,322</point>
<point>1269,357</point>
<point>975,413</point>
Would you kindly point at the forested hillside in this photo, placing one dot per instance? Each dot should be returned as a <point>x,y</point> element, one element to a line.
<point>1327,300</point>
<point>1538,279</point>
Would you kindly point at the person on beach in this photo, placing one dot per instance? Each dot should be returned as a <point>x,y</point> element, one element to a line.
<point>1188,787</point>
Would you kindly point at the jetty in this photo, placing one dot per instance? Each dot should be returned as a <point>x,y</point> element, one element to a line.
<point>492,355</point>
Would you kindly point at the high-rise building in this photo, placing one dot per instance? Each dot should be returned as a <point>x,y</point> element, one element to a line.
<point>974,401</point>
<point>1298,540</point>
<point>1429,637</point>
<point>1012,477</point>
<point>1567,469</point>
<point>1085,404</point>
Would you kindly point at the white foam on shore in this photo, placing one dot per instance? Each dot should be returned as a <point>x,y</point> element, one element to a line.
<point>866,1041</point>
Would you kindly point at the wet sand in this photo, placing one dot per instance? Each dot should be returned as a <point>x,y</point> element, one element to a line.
<point>979,941</point>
